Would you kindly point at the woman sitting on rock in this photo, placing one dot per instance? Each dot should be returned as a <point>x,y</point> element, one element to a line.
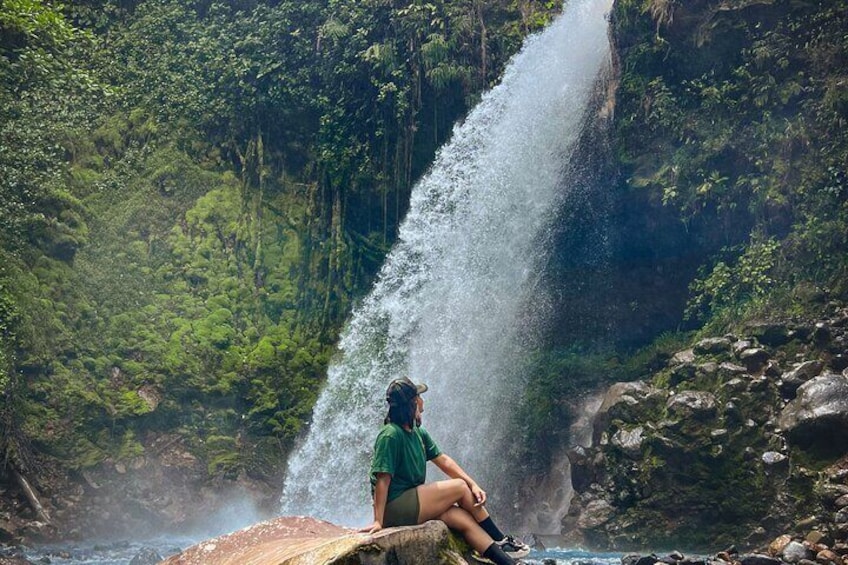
<point>401,498</point>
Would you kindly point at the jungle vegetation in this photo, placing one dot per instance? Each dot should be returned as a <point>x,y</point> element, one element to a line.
<point>193,195</point>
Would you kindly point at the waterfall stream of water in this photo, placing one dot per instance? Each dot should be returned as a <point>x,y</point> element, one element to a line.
<point>455,303</point>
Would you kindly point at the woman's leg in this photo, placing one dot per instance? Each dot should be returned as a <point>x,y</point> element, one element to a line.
<point>434,499</point>
<point>461,521</point>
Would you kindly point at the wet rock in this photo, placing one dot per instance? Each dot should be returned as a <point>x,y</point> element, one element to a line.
<point>712,345</point>
<point>795,552</point>
<point>289,540</point>
<point>791,380</point>
<point>775,459</point>
<point>741,345</point>
<point>147,556</point>
<point>776,547</point>
<point>629,441</point>
<point>754,359</point>
<point>595,513</point>
<point>692,404</point>
<point>816,537</point>
<point>828,557</point>
<point>819,414</point>
<point>838,363</point>
<point>759,559</point>
<point>821,335</point>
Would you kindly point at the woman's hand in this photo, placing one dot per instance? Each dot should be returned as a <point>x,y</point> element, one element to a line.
<point>373,528</point>
<point>479,495</point>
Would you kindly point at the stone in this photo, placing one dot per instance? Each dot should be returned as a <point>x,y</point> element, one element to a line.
<point>768,333</point>
<point>815,537</point>
<point>774,459</point>
<point>754,359</point>
<point>712,345</point>
<point>778,544</point>
<point>147,556</point>
<point>759,559</point>
<point>795,552</point>
<point>841,517</point>
<point>296,540</point>
<point>842,501</point>
<point>629,441</point>
<point>741,345</point>
<point>828,557</point>
<point>821,335</point>
<point>838,363</point>
<point>772,369</point>
<point>628,402</point>
<point>685,356</point>
<point>596,513</point>
<point>819,414</point>
<point>692,404</point>
<point>728,369</point>
<point>791,380</point>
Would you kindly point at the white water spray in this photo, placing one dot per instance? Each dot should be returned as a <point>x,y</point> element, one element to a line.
<point>452,302</point>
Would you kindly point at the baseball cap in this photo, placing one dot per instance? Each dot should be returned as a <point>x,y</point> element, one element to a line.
<point>403,390</point>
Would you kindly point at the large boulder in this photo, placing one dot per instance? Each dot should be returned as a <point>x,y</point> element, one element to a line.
<point>303,541</point>
<point>695,404</point>
<point>819,414</point>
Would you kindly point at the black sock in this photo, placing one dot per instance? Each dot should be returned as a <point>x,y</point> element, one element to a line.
<point>490,528</point>
<point>496,554</point>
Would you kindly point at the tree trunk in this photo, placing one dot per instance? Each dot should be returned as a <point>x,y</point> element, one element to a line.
<point>32,497</point>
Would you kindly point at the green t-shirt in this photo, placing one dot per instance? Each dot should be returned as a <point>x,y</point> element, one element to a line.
<point>404,456</point>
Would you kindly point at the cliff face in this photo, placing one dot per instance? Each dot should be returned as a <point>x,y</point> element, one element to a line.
<point>736,440</point>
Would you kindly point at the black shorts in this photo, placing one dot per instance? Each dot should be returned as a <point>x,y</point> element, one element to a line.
<point>403,510</point>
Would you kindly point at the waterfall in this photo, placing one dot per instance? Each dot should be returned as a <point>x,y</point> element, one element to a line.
<point>455,304</point>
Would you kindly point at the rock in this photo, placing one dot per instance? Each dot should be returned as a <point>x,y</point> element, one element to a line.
<point>712,345</point>
<point>147,556</point>
<point>791,380</point>
<point>775,459</point>
<point>819,414</point>
<point>596,513</point>
<point>754,359</point>
<point>681,373</point>
<point>828,557</point>
<point>759,559</point>
<point>841,517</point>
<point>685,356</point>
<point>795,552</point>
<point>842,501</point>
<point>627,402</point>
<point>821,335</point>
<point>291,540</point>
<point>776,547</point>
<point>629,441</point>
<point>692,404</point>
<point>815,537</point>
<point>838,363</point>
<point>771,334</point>
<point>741,345</point>
<point>730,370</point>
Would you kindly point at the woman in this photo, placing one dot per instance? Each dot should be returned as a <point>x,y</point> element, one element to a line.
<point>401,498</point>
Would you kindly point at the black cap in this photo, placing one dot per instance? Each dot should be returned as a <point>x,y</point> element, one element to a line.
<point>403,390</point>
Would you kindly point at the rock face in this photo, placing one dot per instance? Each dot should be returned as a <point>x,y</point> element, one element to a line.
<point>724,445</point>
<point>306,541</point>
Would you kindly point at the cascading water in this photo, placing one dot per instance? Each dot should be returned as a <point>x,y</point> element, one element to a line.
<point>453,303</point>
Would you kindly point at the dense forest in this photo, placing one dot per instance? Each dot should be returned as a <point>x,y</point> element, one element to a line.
<point>193,195</point>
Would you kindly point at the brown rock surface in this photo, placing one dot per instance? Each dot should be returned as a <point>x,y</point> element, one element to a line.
<point>307,541</point>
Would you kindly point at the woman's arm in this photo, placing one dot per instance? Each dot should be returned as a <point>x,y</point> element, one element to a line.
<point>381,495</point>
<point>452,469</point>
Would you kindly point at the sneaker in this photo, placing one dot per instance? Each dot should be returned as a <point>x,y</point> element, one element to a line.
<point>514,548</point>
